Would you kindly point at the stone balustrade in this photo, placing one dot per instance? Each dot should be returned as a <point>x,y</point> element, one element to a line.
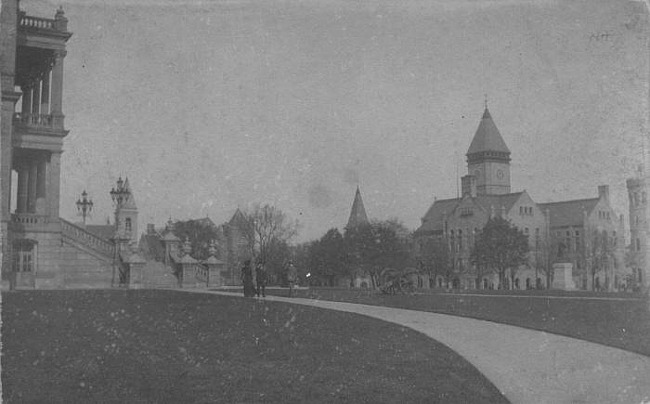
<point>87,239</point>
<point>42,120</point>
<point>30,219</point>
<point>36,22</point>
<point>201,273</point>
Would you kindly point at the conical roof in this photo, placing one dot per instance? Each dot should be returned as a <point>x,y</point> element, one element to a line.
<point>487,137</point>
<point>358,213</point>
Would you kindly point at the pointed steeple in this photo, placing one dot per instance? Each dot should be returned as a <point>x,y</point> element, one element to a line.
<point>487,137</point>
<point>358,213</point>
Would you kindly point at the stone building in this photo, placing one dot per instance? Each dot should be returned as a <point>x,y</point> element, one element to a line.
<point>637,188</point>
<point>31,142</point>
<point>486,193</point>
<point>39,249</point>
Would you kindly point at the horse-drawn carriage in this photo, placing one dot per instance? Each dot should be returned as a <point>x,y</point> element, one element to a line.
<point>398,281</point>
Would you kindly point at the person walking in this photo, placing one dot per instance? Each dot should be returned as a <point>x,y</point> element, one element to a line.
<point>292,277</point>
<point>260,277</point>
<point>247,279</point>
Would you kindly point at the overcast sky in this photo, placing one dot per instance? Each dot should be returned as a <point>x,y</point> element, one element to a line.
<point>210,105</point>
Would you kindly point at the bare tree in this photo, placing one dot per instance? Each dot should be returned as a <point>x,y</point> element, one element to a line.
<point>267,227</point>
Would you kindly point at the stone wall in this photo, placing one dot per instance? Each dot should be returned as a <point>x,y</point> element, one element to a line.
<point>85,269</point>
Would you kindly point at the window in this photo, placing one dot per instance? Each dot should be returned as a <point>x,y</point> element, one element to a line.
<point>638,244</point>
<point>24,256</point>
<point>127,224</point>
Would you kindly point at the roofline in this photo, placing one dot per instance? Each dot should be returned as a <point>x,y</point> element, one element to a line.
<point>570,201</point>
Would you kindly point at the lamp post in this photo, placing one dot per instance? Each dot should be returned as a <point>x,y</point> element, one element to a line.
<point>84,206</point>
<point>120,195</point>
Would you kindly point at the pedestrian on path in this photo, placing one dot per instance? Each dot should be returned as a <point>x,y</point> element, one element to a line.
<point>247,279</point>
<point>292,277</point>
<point>260,277</point>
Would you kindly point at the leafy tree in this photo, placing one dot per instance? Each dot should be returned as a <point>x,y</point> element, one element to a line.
<point>436,258</point>
<point>601,254</point>
<point>375,246</point>
<point>327,257</point>
<point>500,246</point>
<point>200,233</point>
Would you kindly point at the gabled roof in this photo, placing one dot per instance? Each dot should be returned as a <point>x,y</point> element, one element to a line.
<point>357,213</point>
<point>487,137</point>
<point>498,201</point>
<point>238,219</point>
<point>433,219</point>
<point>569,213</point>
<point>129,203</point>
<point>206,221</point>
<point>151,247</point>
<point>105,231</point>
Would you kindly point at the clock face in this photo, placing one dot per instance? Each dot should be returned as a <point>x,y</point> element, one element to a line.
<point>500,174</point>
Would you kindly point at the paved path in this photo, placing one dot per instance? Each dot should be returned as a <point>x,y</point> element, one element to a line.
<point>527,366</point>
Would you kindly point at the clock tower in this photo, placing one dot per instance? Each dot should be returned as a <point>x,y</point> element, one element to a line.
<point>488,159</point>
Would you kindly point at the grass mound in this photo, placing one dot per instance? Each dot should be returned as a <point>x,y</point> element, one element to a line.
<point>166,346</point>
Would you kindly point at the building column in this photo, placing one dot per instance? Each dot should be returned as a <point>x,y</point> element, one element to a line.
<point>23,175</point>
<point>36,97</point>
<point>31,187</point>
<point>41,186</point>
<point>27,99</point>
<point>53,183</point>
<point>45,94</point>
<point>56,108</point>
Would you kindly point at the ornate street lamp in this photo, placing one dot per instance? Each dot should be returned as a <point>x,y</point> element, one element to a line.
<point>84,205</point>
<point>120,194</point>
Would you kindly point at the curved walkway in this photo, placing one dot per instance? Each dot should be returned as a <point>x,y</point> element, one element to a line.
<point>527,366</point>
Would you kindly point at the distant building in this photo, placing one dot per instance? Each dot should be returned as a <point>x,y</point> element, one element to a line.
<point>638,250</point>
<point>358,217</point>
<point>565,231</point>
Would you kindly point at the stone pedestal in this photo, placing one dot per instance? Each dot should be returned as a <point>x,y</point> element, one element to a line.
<point>189,277</point>
<point>215,268</point>
<point>563,276</point>
<point>135,275</point>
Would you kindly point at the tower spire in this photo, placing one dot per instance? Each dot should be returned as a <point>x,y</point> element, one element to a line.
<point>358,213</point>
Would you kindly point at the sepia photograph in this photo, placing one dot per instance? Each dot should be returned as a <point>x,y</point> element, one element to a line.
<point>325,201</point>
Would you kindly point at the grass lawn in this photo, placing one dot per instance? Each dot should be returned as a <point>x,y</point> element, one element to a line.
<point>171,347</point>
<point>619,323</point>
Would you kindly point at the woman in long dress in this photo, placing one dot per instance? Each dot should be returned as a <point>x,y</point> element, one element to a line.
<point>247,279</point>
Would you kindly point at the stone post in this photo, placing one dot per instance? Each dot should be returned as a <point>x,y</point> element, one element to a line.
<point>188,265</point>
<point>215,266</point>
<point>136,265</point>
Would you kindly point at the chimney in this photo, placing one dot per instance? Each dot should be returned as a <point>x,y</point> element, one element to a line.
<point>468,185</point>
<point>151,229</point>
<point>603,192</point>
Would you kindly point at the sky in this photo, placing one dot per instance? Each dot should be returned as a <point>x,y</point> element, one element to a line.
<point>211,105</point>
